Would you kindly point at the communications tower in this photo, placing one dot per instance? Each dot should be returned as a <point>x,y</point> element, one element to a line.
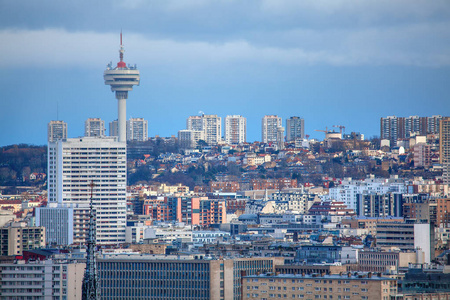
<point>121,79</point>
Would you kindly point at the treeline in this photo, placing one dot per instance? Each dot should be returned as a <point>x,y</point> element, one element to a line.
<point>18,162</point>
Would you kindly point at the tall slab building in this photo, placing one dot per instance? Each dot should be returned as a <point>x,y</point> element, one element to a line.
<point>269,130</point>
<point>72,166</point>
<point>444,148</point>
<point>56,130</point>
<point>295,129</point>
<point>94,127</point>
<point>235,129</point>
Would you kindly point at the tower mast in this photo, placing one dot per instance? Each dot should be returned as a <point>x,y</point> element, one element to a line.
<point>90,285</point>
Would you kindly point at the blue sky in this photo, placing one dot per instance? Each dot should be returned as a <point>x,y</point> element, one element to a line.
<point>331,62</point>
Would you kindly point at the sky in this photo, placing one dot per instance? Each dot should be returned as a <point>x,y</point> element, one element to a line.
<point>331,62</point>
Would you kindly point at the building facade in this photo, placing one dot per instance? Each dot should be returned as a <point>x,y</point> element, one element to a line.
<point>76,163</point>
<point>235,129</point>
<point>56,130</point>
<point>94,127</point>
<point>444,148</point>
<point>295,129</point>
<point>269,128</point>
<point>137,130</point>
<point>165,278</point>
<point>17,237</point>
<point>188,139</point>
<point>290,286</point>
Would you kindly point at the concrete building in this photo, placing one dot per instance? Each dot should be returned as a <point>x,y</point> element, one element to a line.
<point>194,123</point>
<point>235,129</point>
<point>58,224</point>
<point>295,129</point>
<point>422,155</point>
<point>158,278</point>
<point>94,127</point>
<point>18,237</point>
<point>114,128</point>
<point>269,128</point>
<point>444,148</point>
<point>315,286</point>
<point>212,128</point>
<point>137,130</point>
<point>387,261</point>
<point>56,130</point>
<point>379,205</point>
<point>407,237</point>
<point>76,163</point>
<point>393,128</point>
<point>41,280</point>
<point>188,139</point>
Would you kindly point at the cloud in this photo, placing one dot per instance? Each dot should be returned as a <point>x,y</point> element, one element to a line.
<point>410,45</point>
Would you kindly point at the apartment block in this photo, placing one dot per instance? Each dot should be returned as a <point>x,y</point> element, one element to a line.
<point>94,127</point>
<point>56,130</point>
<point>235,129</point>
<point>269,128</point>
<point>41,280</point>
<point>295,129</point>
<point>315,286</point>
<point>75,164</point>
<point>188,139</point>
<point>137,130</point>
<point>444,148</point>
<point>18,237</point>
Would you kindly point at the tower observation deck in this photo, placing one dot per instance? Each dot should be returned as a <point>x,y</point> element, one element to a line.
<point>121,78</point>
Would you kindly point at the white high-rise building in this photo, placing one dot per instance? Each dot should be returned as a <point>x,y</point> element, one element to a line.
<point>76,163</point>
<point>235,129</point>
<point>295,129</point>
<point>57,130</point>
<point>270,124</point>
<point>212,128</point>
<point>137,130</point>
<point>194,123</point>
<point>94,127</point>
<point>188,139</point>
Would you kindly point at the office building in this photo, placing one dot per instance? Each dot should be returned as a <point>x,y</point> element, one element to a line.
<point>158,278</point>
<point>270,125</point>
<point>48,279</point>
<point>56,130</point>
<point>121,78</point>
<point>444,148</point>
<point>295,129</point>
<point>318,286</point>
<point>188,139</point>
<point>407,237</point>
<point>94,127</point>
<point>137,130</point>
<point>76,163</point>
<point>235,129</point>
<point>58,224</point>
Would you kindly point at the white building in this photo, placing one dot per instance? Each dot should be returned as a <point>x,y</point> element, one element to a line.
<point>41,280</point>
<point>349,189</point>
<point>94,127</point>
<point>137,130</point>
<point>56,130</point>
<point>269,128</point>
<point>212,129</point>
<point>194,123</point>
<point>188,139</point>
<point>235,129</point>
<point>76,163</point>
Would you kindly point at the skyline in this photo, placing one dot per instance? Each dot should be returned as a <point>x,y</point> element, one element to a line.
<point>330,63</point>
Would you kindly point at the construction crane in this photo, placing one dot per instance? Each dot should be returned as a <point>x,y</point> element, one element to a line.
<point>326,130</point>
<point>341,128</point>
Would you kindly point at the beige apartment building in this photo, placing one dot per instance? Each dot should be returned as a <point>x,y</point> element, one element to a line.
<point>309,287</point>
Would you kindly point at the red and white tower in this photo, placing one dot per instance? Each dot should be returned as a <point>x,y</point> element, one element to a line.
<point>121,79</point>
